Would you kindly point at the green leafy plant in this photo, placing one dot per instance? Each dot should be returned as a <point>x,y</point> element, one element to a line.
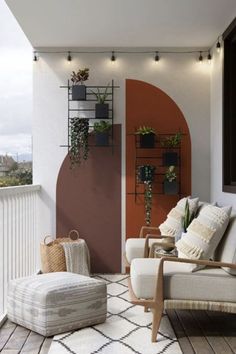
<point>188,216</point>
<point>145,130</point>
<point>172,141</point>
<point>101,127</point>
<point>101,96</point>
<point>79,77</point>
<point>79,132</point>
<point>170,174</point>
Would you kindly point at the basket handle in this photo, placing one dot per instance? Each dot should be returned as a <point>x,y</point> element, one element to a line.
<point>45,238</point>
<point>76,235</point>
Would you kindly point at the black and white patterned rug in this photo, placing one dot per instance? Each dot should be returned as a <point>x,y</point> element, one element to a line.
<point>127,329</point>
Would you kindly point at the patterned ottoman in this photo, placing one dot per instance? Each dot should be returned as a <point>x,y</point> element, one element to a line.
<point>57,302</point>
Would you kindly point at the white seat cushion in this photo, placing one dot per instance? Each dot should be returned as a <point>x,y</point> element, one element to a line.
<point>209,284</point>
<point>134,247</point>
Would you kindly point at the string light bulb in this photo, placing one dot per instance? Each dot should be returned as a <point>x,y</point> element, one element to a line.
<point>209,57</point>
<point>69,57</point>
<point>113,58</point>
<point>218,45</point>
<point>35,57</point>
<point>157,58</point>
<point>200,58</point>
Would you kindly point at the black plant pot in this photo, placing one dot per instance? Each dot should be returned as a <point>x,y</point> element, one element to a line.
<point>171,188</point>
<point>78,92</point>
<point>147,141</point>
<point>102,139</point>
<point>170,159</point>
<point>102,110</point>
<point>146,173</point>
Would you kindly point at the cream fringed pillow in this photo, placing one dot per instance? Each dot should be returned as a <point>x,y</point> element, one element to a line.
<point>204,234</point>
<point>172,226</point>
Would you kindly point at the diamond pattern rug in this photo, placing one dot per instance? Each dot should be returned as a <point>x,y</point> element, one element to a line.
<point>127,329</point>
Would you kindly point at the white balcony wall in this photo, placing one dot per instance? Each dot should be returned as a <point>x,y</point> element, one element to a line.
<point>19,238</point>
<point>181,76</point>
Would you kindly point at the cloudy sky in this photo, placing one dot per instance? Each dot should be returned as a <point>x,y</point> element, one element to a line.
<point>15,86</point>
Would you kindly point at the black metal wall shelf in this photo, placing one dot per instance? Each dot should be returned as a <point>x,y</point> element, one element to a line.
<point>89,109</point>
<point>155,155</point>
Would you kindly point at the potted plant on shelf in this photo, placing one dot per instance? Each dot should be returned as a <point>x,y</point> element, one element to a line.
<point>78,87</point>
<point>147,137</point>
<point>101,108</point>
<point>101,130</point>
<point>79,132</point>
<point>146,175</point>
<point>171,142</point>
<point>170,183</point>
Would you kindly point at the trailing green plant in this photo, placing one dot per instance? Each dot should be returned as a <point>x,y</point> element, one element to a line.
<point>101,96</point>
<point>101,127</point>
<point>172,141</point>
<point>143,130</point>
<point>146,175</point>
<point>170,174</point>
<point>79,133</point>
<point>79,77</point>
<point>188,216</point>
<point>148,202</point>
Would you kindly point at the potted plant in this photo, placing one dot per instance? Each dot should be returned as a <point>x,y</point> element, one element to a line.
<point>101,130</point>
<point>101,108</point>
<point>171,157</point>
<point>147,137</point>
<point>146,175</point>
<point>79,132</point>
<point>170,183</point>
<point>78,87</point>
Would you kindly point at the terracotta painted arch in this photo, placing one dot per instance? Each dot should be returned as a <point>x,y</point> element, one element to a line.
<point>150,106</point>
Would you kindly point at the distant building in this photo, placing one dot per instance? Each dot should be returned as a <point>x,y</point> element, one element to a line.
<point>6,164</point>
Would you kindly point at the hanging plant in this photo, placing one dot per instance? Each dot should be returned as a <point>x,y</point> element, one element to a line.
<point>146,175</point>
<point>148,202</point>
<point>79,132</point>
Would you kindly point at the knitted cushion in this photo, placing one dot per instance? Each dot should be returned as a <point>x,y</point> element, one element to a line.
<point>204,234</point>
<point>172,226</point>
<point>56,302</point>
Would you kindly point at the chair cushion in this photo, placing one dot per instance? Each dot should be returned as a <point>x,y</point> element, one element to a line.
<point>209,284</point>
<point>204,234</point>
<point>134,247</point>
<point>172,226</point>
<point>56,302</point>
<point>226,251</point>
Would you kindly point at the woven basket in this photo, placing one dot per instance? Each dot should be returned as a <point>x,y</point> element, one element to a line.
<point>52,253</point>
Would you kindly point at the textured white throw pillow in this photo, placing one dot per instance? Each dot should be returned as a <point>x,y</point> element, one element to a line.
<point>204,234</point>
<point>172,226</point>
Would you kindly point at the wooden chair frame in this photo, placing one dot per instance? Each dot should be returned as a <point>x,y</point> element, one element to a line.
<point>157,303</point>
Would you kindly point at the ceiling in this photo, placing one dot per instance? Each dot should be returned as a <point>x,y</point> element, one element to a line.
<point>123,23</point>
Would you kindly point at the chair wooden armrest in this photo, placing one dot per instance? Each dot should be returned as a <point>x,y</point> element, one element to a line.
<point>148,237</point>
<point>145,229</point>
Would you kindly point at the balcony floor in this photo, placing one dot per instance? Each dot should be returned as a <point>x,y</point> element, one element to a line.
<point>197,331</point>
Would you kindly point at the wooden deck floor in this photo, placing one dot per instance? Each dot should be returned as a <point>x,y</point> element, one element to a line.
<point>199,332</point>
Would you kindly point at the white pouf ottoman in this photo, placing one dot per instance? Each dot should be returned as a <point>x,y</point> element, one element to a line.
<point>57,302</point>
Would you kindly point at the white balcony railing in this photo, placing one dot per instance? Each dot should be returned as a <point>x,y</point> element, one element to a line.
<point>18,235</point>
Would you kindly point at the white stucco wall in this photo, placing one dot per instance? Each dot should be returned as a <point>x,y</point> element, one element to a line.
<point>185,80</point>
<point>216,133</point>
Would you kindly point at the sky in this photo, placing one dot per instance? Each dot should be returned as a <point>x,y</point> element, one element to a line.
<point>15,87</point>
